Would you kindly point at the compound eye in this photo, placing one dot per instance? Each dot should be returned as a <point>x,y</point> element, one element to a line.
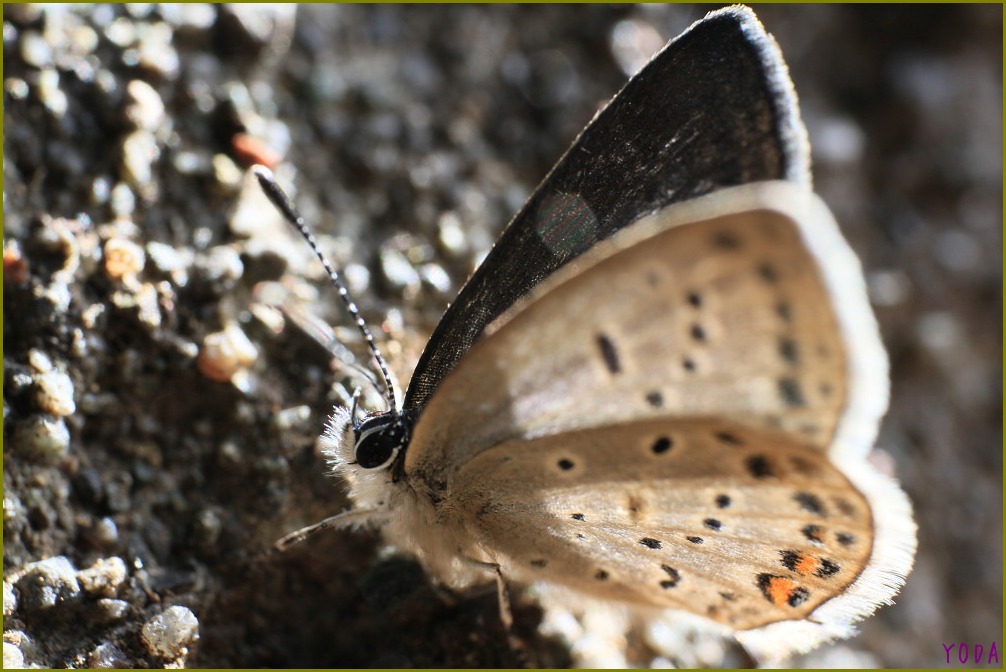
<point>374,451</point>
<point>379,440</point>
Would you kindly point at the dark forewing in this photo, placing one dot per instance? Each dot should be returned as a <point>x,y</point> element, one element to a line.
<point>715,108</point>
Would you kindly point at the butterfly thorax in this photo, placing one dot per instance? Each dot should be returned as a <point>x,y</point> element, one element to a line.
<point>369,455</point>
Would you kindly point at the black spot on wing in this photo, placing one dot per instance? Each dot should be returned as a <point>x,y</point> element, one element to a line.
<point>609,353</point>
<point>759,467</point>
<point>674,576</point>
<point>662,445</point>
<point>791,393</point>
<point>810,503</point>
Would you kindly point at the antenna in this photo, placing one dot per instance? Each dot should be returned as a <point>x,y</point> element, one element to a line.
<point>286,206</point>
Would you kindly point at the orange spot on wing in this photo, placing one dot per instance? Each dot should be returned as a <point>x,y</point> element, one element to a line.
<point>780,589</point>
<point>807,564</point>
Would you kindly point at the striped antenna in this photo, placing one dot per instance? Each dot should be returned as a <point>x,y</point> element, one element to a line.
<point>286,206</point>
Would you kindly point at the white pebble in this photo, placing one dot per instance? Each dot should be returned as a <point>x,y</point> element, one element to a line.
<point>225,353</point>
<point>145,109</point>
<point>35,50</point>
<point>123,258</point>
<point>54,393</point>
<point>9,599</point>
<point>42,438</point>
<point>123,200</point>
<point>103,578</point>
<point>39,360</point>
<point>113,610</point>
<point>46,583</point>
<point>139,152</point>
<point>168,635</point>
<point>106,531</point>
<point>13,658</point>
<point>107,656</point>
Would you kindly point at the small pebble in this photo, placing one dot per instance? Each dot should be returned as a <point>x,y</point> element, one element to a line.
<point>261,23</point>
<point>106,532</point>
<point>221,263</point>
<point>229,456</point>
<point>42,438</point>
<point>79,348</point>
<point>50,94</point>
<point>171,261</point>
<point>226,172</point>
<point>16,88</point>
<point>288,418</point>
<point>121,33</point>
<point>168,635</point>
<point>435,276</point>
<point>57,293</point>
<point>123,200</point>
<point>251,150</point>
<point>207,528</point>
<point>46,583</point>
<point>224,353</point>
<point>101,190</point>
<point>15,264</point>
<point>60,237</point>
<point>357,278</point>
<point>9,599</point>
<point>108,656</point>
<point>397,270</point>
<point>17,383</point>
<point>103,578</point>
<point>123,258</point>
<point>145,109</point>
<point>633,43</point>
<point>35,50</point>
<point>452,235</point>
<point>147,301</point>
<point>112,610</point>
<point>254,215</point>
<point>54,393</point>
<point>39,360</point>
<point>13,658</point>
<point>139,152</point>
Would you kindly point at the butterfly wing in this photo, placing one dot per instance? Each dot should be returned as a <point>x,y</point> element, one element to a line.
<point>715,108</point>
<point>747,532</point>
<point>745,304</point>
<point>735,327</point>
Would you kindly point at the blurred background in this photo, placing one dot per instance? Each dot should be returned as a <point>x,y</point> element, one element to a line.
<point>160,412</point>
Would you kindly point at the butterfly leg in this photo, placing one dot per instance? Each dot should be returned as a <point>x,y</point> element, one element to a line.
<point>344,519</point>
<point>517,645</point>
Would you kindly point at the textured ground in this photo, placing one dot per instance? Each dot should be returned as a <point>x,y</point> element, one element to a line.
<point>412,134</point>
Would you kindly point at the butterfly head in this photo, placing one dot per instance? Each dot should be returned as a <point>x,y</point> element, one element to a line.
<point>379,439</point>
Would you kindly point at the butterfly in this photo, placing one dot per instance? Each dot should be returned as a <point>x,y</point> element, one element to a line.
<point>661,385</point>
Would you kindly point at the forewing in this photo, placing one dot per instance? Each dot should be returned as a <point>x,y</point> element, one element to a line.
<point>715,108</point>
<point>719,307</point>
